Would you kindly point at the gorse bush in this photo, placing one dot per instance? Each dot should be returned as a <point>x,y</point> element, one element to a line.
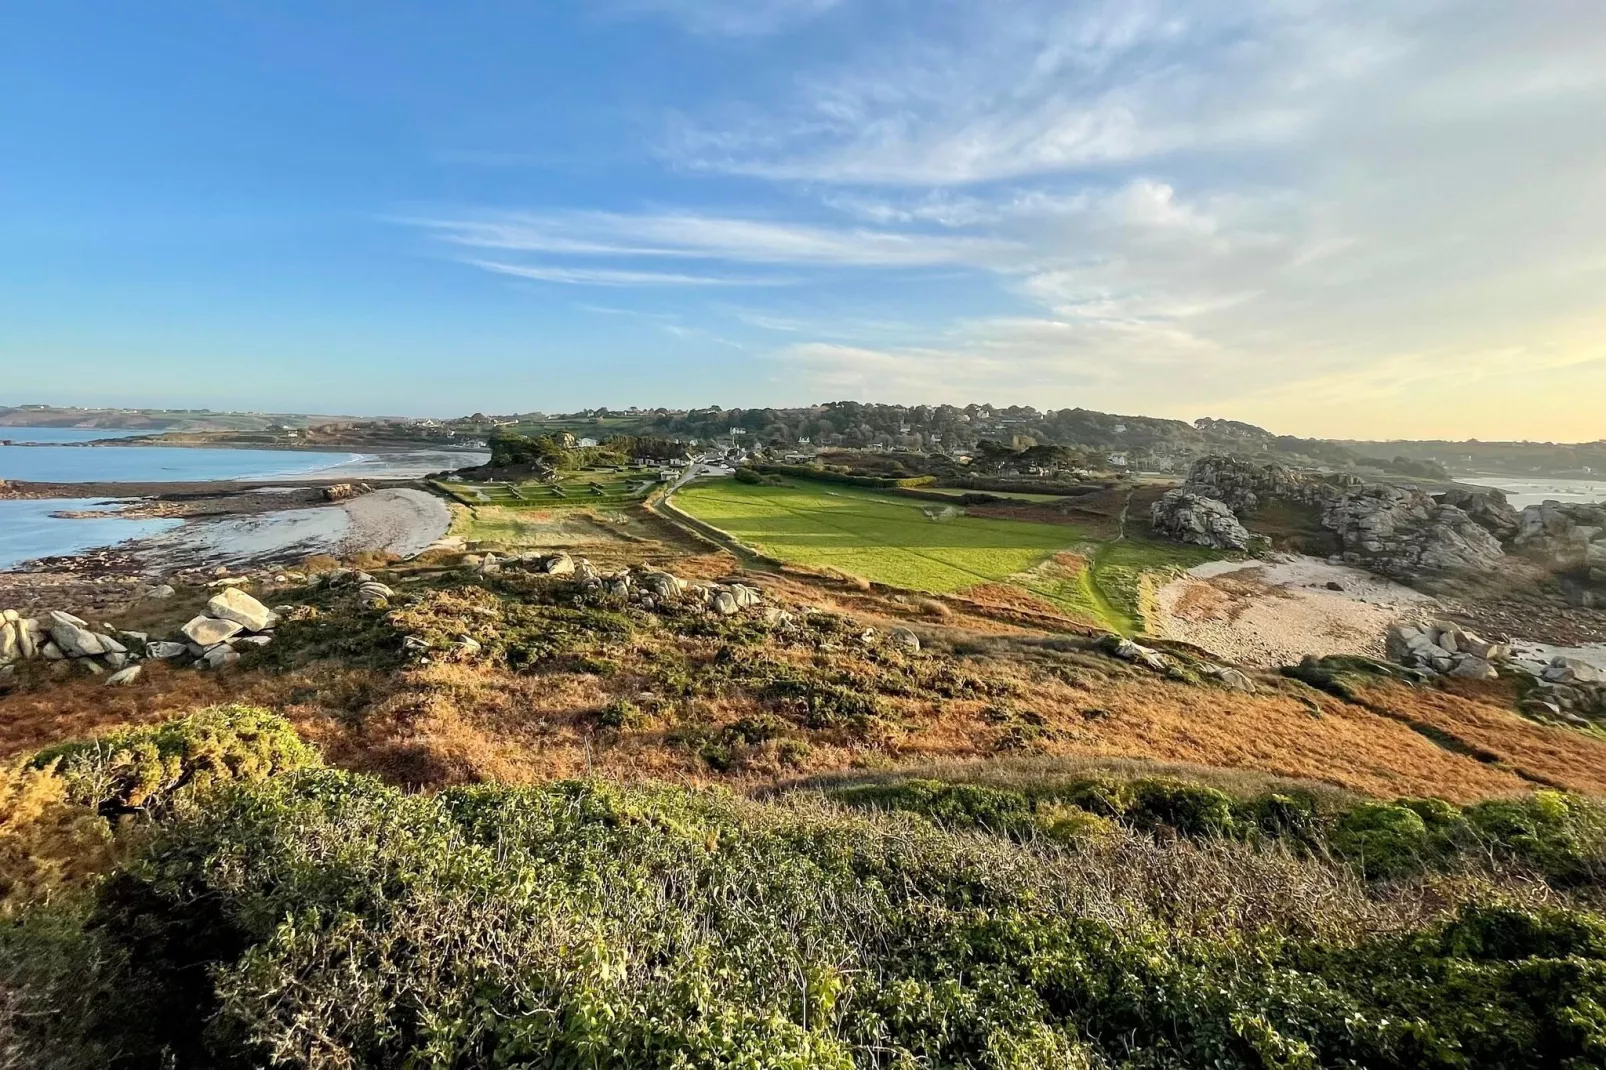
<point>145,768</point>
<point>321,919</point>
<point>271,912</point>
<point>1556,836</point>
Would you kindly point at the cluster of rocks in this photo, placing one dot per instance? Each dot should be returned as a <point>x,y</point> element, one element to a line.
<point>1243,485</point>
<point>1394,530</point>
<point>1403,531</point>
<point>1570,538</point>
<point>64,639</point>
<point>1189,517</point>
<point>1570,691</point>
<point>232,620</point>
<point>1446,649</point>
<point>1118,646</point>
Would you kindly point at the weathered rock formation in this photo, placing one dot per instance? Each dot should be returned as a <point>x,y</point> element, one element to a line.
<point>232,619</point>
<point>1569,538</point>
<point>1402,531</point>
<point>1447,649</point>
<point>1398,531</point>
<point>1192,518</point>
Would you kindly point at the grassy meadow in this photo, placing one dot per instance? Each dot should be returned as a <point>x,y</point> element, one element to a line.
<point>588,488</point>
<point>925,546</point>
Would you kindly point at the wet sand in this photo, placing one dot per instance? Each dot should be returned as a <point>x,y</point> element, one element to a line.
<point>398,521</point>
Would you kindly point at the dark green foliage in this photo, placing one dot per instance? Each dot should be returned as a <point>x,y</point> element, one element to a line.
<point>147,768</point>
<point>824,475</point>
<point>1188,809</point>
<point>321,919</point>
<point>1558,837</point>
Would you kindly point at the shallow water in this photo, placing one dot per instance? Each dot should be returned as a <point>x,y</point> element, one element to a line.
<point>1525,492</point>
<point>27,530</point>
<point>61,434</point>
<point>149,464</point>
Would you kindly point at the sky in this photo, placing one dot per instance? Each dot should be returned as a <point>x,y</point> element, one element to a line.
<point>1346,218</point>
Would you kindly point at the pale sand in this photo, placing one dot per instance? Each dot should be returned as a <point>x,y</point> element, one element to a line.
<point>402,522</point>
<point>1267,614</point>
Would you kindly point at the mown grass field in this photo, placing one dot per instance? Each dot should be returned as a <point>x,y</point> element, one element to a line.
<point>928,547</point>
<point>905,542</point>
<point>584,489</point>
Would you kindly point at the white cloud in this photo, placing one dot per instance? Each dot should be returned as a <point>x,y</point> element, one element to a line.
<point>732,18</point>
<point>612,277</point>
<point>703,237</point>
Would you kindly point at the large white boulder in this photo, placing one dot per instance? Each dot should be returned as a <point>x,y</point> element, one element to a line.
<point>207,631</point>
<point>72,637</point>
<point>235,605</point>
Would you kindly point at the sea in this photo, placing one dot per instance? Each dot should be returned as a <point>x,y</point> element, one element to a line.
<point>1533,490</point>
<point>28,530</point>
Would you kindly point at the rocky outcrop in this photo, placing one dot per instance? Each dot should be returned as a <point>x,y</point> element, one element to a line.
<point>1397,531</point>
<point>1569,538</point>
<point>232,619</point>
<point>1188,517</point>
<point>1486,507</point>
<point>1243,484</point>
<point>1402,531</point>
<point>1446,649</point>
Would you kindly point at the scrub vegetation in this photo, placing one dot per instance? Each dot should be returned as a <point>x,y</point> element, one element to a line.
<point>277,913</point>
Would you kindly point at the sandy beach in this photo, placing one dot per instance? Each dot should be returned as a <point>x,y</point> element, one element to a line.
<point>1266,614</point>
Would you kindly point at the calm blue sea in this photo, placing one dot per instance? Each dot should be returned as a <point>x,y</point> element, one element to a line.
<point>27,529</point>
<point>144,464</point>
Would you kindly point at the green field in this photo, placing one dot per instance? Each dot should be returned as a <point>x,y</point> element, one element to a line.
<point>575,489</point>
<point>926,546</point>
<point>1017,495</point>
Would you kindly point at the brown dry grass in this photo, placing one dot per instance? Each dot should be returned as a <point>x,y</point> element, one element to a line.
<point>454,723</point>
<point>1481,715</point>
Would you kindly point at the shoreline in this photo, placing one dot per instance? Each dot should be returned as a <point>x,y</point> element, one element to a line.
<point>235,530</point>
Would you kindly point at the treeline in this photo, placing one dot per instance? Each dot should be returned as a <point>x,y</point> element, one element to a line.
<point>556,451</point>
<point>831,475</point>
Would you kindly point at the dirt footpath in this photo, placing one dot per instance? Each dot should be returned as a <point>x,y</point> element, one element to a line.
<point>1267,614</point>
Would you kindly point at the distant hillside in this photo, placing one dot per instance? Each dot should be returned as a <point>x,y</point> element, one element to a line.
<point>161,419</point>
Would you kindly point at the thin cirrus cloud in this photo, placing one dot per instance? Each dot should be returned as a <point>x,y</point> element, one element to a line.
<point>614,277</point>
<point>731,18</point>
<point>1252,206</point>
<point>582,238</point>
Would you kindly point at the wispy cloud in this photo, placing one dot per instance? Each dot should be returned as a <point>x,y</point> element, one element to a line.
<point>731,18</point>
<point>705,237</point>
<point>613,277</point>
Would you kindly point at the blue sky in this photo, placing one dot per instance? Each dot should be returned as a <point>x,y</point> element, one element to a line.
<point>1342,217</point>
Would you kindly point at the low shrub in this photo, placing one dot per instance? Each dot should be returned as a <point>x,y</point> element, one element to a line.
<point>323,919</point>
<point>146,768</point>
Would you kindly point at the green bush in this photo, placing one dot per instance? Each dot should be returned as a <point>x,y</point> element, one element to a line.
<point>1385,839</point>
<point>1560,836</point>
<point>1189,809</point>
<point>146,768</point>
<point>321,919</point>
